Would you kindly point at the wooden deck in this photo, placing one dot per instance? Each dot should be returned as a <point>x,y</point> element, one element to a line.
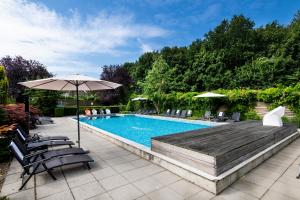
<point>215,150</point>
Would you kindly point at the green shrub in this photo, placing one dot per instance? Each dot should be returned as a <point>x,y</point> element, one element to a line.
<point>251,114</point>
<point>59,112</point>
<point>4,151</point>
<point>236,100</point>
<point>3,117</point>
<point>130,106</point>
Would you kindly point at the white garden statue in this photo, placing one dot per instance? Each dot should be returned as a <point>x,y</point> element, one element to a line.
<point>273,118</point>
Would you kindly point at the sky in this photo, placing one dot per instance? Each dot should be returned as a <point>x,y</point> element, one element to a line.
<point>80,36</point>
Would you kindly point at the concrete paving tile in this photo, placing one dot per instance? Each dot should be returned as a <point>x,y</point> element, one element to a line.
<point>148,185</point>
<point>124,167</point>
<point>51,188</point>
<point>165,194</point>
<point>233,194</point>
<point>258,180</point>
<point>166,177</point>
<point>131,157</point>
<point>12,188</point>
<point>87,191</point>
<point>135,174</point>
<point>22,195</point>
<point>287,179</point>
<point>104,196</point>
<point>202,195</point>
<point>266,173</point>
<point>66,195</point>
<point>249,188</point>
<point>272,195</point>
<point>140,162</point>
<point>116,161</point>
<point>44,178</point>
<point>12,178</point>
<point>127,192</point>
<point>139,173</point>
<point>185,188</point>
<point>152,169</point>
<point>286,189</point>
<point>104,173</point>
<point>80,179</point>
<point>113,182</point>
<point>143,198</point>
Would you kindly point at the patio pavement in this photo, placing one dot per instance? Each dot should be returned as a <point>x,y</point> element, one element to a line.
<point>121,175</point>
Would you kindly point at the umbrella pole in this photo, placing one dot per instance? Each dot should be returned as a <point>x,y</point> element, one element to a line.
<point>77,113</point>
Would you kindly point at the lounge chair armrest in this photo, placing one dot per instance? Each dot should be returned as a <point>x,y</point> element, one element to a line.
<point>36,162</point>
<point>36,153</point>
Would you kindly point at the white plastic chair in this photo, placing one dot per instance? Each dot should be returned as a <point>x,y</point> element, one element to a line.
<point>94,112</point>
<point>107,111</point>
<point>273,118</point>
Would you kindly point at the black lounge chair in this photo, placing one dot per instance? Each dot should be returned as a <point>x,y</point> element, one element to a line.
<point>37,137</point>
<point>146,112</point>
<point>178,113</point>
<point>183,114</point>
<point>220,117</point>
<point>37,145</point>
<point>173,113</point>
<point>168,113</point>
<point>235,117</point>
<point>46,165</point>
<point>47,154</point>
<point>189,113</point>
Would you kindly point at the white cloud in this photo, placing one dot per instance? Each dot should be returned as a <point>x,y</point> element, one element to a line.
<point>35,32</point>
<point>144,47</point>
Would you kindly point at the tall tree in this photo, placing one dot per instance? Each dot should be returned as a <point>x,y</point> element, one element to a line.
<point>19,69</point>
<point>158,79</point>
<point>3,85</point>
<point>117,74</point>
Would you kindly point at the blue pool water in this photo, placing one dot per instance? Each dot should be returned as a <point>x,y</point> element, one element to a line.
<point>140,129</point>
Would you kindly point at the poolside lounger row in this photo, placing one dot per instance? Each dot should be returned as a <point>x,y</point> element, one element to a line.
<point>147,112</point>
<point>235,117</point>
<point>178,113</point>
<point>35,157</point>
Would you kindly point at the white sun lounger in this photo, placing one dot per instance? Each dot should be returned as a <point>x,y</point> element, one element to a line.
<point>273,118</point>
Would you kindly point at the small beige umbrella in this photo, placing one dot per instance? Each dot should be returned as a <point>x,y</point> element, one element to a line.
<point>210,95</point>
<point>71,83</point>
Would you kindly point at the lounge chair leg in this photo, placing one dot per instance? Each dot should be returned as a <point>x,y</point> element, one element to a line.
<point>298,174</point>
<point>88,166</point>
<point>26,181</point>
<point>51,174</point>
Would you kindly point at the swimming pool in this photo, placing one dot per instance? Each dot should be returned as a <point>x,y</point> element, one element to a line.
<point>140,129</point>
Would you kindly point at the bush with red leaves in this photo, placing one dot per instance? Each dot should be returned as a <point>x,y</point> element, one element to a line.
<point>16,114</point>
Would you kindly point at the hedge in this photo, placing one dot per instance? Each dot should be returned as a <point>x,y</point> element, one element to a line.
<point>237,100</point>
<point>67,111</point>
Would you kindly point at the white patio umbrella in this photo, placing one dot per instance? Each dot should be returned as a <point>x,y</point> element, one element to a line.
<point>71,83</point>
<point>210,95</point>
<point>139,99</point>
